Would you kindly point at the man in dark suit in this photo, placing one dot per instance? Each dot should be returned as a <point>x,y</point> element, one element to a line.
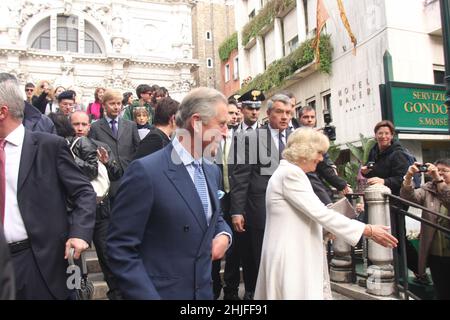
<point>119,134</point>
<point>166,224</point>
<point>164,126</point>
<point>37,176</point>
<point>7,283</point>
<point>252,172</point>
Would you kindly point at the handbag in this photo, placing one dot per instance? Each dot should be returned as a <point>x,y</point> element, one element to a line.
<point>101,183</point>
<point>85,291</point>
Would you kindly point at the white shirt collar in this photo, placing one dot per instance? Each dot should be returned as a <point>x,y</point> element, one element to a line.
<point>16,136</point>
<point>108,119</point>
<point>275,132</point>
<point>245,126</point>
<point>184,155</point>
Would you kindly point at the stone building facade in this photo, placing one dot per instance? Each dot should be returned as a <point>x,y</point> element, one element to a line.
<point>109,43</point>
<point>213,22</point>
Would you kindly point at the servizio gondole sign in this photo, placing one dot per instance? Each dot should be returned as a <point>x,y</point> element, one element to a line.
<point>417,108</point>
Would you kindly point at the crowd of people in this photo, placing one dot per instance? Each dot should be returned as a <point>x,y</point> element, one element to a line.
<point>190,183</point>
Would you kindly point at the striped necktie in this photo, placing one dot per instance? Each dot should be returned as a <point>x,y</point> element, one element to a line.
<point>226,181</point>
<point>202,187</point>
<point>280,144</point>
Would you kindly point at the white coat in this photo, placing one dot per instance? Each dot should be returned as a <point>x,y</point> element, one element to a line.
<point>292,264</point>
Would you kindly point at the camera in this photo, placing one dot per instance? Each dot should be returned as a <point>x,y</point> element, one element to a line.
<point>370,165</point>
<point>422,167</point>
<point>329,130</point>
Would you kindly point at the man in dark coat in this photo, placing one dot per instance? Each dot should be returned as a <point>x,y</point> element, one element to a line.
<point>40,175</point>
<point>7,284</point>
<point>166,223</point>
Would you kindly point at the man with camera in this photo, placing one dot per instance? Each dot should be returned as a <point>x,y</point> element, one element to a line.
<point>326,170</point>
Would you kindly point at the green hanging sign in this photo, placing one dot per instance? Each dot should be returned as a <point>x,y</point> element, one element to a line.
<point>417,108</point>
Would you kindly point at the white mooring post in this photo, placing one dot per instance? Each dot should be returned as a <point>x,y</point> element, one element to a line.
<point>380,273</point>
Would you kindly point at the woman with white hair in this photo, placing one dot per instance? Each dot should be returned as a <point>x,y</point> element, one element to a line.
<point>292,263</point>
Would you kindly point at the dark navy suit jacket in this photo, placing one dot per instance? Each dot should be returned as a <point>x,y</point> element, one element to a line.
<point>48,175</point>
<point>159,243</point>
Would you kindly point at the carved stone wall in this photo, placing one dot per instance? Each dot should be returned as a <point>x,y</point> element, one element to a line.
<point>141,42</point>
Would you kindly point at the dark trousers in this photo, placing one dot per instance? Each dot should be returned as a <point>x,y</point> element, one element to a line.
<point>440,273</point>
<point>100,233</point>
<point>30,285</point>
<point>241,254</point>
<point>217,281</point>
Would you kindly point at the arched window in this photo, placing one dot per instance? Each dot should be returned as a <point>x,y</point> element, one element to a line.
<point>90,46</point>
<point>67,37</point>
<point>43,41</point>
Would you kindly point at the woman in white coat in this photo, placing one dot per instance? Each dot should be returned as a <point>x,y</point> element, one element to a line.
<point>292,264</point>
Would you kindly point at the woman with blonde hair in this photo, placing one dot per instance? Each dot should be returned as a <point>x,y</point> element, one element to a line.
<point>42,95</point>
<point>292,260</point>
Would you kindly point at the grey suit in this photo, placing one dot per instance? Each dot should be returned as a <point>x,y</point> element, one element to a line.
<point>123,147</point>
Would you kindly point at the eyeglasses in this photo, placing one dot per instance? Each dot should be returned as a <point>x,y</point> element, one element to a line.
<point>29,90</point>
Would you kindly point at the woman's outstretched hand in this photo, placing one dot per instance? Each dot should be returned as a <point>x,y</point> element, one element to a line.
<point>380,235</point>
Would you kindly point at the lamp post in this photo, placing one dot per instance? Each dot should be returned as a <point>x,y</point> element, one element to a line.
<point>445,22</point>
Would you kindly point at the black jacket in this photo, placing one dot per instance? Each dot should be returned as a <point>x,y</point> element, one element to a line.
<point>325,172</point>
<point>85,152</point>
<point>34,120</point>
<point>153,141</point>
<point>48,176</point>
<point>390,165</point>
<point>40,102</point>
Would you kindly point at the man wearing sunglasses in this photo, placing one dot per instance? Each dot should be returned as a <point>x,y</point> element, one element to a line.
<point>29,90</point>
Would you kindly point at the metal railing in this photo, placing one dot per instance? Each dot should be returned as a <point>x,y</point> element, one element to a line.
<point>399,230</point>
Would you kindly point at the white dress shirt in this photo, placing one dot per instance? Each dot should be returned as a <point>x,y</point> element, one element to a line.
<point>275,136</point>
<point>13,224</point>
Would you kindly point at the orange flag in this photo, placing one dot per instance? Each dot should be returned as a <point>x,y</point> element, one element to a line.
<point>347,25</point>
<point>322,17</point>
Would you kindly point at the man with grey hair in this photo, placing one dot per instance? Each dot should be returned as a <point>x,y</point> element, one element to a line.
<point>36,166</point>
<point>250,178</point>
<point>166,224</point>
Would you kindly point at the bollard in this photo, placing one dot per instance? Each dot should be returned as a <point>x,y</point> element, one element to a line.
<point>380,279</point>
<point>341,264</point>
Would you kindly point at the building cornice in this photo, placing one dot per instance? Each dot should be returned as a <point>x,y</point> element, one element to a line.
<point>189,2</point>
<point>81,58</point>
